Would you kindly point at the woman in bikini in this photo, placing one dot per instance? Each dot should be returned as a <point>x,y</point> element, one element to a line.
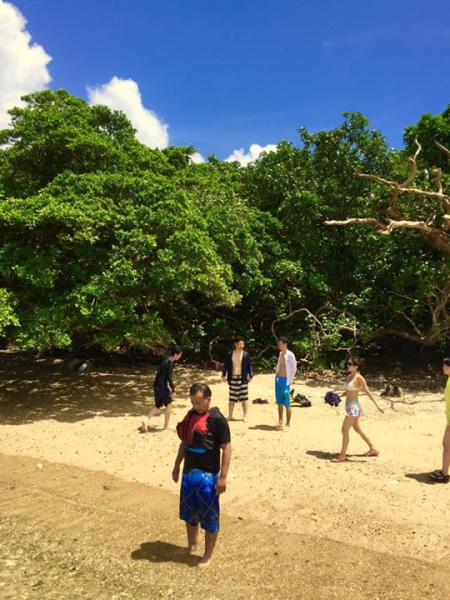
<point>355,382</point>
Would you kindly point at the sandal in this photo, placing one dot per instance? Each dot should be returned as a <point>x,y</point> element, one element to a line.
<point>372,452</point>
<point>338,460</point>
<point>439,477</point>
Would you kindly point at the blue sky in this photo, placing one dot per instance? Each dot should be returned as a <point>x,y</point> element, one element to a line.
<point>225,74</point>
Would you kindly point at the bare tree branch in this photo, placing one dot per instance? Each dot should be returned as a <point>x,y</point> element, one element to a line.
<point>438,181</point>
<point>413,163</point>
<point>359,221</point>
<point>435,233</point>
<point>443,148</point>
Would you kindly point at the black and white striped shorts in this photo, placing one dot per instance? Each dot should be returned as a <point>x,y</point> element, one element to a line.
<point>238,390</point>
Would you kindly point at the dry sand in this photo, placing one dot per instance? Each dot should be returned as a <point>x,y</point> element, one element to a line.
<point>78,479</point>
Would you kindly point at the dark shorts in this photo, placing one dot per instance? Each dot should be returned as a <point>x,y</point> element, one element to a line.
<point>199,501</point>
<point>163,397</point>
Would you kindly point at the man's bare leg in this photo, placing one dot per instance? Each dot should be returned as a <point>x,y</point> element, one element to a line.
<point>153,411</point>
<point>167,414</point>
<point>288,416</point>
<point>279,425</point>
<point>230,410</point>
<point>192,537</point>
<point>210,542</point>
<point>245,410</point>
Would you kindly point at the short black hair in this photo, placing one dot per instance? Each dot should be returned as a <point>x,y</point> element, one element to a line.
<point>446,361</point>
<point>239,339</point>
<point>175,350</point>
<point>200,387</point>
<point>283,339</point>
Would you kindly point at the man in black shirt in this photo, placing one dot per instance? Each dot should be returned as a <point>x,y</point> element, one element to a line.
<point>204,432</point>
<point>164,388</point>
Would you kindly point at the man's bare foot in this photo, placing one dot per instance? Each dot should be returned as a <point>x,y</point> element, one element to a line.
<point>245,419</point>
<point>204,562</point>
<point>279,426</point>
<point>143,428</point>
<point>231,419</point>
<point>286,429</point>
<point>186,551</point>
<point>168,429</point>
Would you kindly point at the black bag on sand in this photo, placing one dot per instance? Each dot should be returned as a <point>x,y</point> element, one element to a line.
<point>300,400</point>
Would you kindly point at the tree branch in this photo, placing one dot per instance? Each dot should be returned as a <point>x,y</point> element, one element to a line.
<point>359,221</point>
<point>443,148</point>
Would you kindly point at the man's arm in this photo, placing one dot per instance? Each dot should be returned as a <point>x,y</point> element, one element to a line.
<point>294,367</point>
<point>169,376</point>
<point>226,367</point>
<point>221,484</point>
<point>179,459</point>
<point>249,366</point>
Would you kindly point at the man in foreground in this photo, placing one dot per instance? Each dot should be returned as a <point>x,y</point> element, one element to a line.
<point>204,432</point>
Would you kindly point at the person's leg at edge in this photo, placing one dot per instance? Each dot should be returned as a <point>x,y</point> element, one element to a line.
<point>210,542</point>
<point>357,428</point>
<point>446,451</point>
<point>167,414</point>
<point>230,410</point>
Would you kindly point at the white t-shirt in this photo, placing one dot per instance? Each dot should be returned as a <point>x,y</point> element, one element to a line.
<point>291,366</point>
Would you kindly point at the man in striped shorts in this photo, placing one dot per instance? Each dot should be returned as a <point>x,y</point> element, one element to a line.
<point>237,371</point>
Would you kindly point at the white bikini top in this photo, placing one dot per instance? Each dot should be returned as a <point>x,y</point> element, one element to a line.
<point>350,386</point>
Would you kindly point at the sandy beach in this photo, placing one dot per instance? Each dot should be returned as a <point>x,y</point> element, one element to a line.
<point>380,513</point>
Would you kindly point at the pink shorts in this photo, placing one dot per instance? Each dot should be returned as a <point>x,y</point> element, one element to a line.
<point>353,409</point>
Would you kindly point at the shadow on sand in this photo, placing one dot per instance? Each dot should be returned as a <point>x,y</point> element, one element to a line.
<point>163,552</point>
<point>351,458</point>
<point>421,478</point>
<point>263,427</point>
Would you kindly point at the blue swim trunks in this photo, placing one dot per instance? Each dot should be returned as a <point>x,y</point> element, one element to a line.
<point>199,501</point>
<point>282,391</point>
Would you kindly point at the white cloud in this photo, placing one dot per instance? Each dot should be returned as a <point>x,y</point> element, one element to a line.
<point>124,95</point>
<point>23,64</point>
<point>197,158</point>
<point>252,155</point>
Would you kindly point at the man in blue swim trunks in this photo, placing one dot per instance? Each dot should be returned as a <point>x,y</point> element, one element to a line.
<point>285,374</point>
<point>204,432</point>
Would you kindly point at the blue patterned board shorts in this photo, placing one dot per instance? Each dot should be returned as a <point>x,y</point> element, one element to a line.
<point>199,501</point>
<point>353,409</point>
<point>282,391</point>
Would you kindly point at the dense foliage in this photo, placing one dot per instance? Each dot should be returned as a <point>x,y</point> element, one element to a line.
<point>105,243</point>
